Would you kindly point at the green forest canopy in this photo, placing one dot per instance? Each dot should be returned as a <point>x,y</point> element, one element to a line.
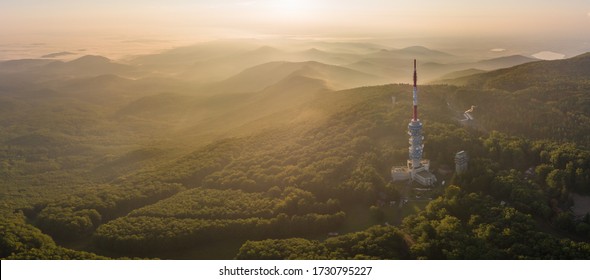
<point>113,181</point>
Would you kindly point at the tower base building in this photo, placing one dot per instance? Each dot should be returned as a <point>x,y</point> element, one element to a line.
<point>420,175</point>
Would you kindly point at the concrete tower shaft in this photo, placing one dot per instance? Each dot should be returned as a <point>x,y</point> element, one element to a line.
<point>416,143</point>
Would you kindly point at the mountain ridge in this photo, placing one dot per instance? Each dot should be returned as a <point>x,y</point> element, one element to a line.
<point>261,76</point>
<point>571,70</point>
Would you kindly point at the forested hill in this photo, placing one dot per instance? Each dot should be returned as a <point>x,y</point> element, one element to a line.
<point>544,99</point>
<point>308,179</point>
<point>567,73</point>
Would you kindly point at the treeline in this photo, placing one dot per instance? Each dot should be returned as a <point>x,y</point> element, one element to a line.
<point>145,234</point>
<point>378,242</point>
<point>463,225</point>
<point>79,214</point>
<point>202,203</point>
<point>19,240</point>
<point>198,216</point>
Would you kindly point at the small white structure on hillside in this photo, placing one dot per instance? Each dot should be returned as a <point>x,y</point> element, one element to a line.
<point>461,161</point>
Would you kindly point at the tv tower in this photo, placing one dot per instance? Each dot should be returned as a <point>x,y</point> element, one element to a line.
<point>415,132</point>
<point>416,169</point>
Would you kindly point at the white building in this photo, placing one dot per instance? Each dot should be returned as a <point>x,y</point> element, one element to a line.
<point>461,161</point>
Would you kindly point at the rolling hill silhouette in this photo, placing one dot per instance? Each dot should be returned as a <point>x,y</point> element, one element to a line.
<point>259,77</point>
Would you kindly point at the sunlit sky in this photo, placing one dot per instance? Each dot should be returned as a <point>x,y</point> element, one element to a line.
<point>196,20</point>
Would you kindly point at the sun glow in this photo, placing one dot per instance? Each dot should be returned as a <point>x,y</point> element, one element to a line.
<point>293,9</point>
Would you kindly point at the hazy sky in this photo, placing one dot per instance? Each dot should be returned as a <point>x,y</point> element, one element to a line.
<point>200,20</point>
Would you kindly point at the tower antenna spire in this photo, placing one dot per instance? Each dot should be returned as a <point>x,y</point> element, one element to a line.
<point>415,94</point>
<point>415,75</point>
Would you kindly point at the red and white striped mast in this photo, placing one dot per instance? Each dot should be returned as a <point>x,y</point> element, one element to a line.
<point>415,118</point>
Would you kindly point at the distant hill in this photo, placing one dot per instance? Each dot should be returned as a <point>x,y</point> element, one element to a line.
<point>88,65</point>
<point>573,71</point>
<point>414,52</point>
<point>358,48</point>
<point>396,64</point>
<point>58,54</point>
<point>37,140</point>
<point>259,77</point>
<point>232,64</point>
<point>217,61</point>
<point>89,60</point>
<point>30,73</point>
<point>297,81</point>
<point>189,55</point>
<point>293,89</point>
<point>458,74</point>
<point>158,107</point>
<point>219,68</point>
<point>103,81</point>
<point>245,113</point>
<point>219,113</point>
<point>19,65</point>
<point>392,70</point>
<point>100,87</point>
<point>455,70</point>
<point>503,62</point>
<point>326,57</point>
<point>423,51</point>
<point>85,66</point>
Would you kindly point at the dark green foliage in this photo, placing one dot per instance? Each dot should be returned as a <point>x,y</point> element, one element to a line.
<point>55,253</point>
<point>192,169</point>
<point>17,236</point>
<point>146,234</point>
<point>79,214</point>
<point>379,242</point>
<point>487,231</point>
<point>197,216</point>
<point>281,249</point>
<point>19,240</point>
